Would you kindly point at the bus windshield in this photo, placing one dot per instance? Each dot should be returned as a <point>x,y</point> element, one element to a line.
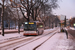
<point>30,27</point>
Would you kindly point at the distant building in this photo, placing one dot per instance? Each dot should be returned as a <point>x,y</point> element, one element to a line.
<point>62,20</point>
<point>61,17</point>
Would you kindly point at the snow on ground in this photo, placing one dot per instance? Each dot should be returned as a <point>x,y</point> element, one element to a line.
<point>51,43</point>
<point>59,42</point>
<point>56,42</point>
<point>4,44</point>
<point>45,32</point>
<point>11,35</point>
<point>33,44</point>
<point>16,34</point>
<point>66,44</point>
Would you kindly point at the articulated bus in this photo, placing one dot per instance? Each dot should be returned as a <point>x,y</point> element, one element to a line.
<point>33,28</point>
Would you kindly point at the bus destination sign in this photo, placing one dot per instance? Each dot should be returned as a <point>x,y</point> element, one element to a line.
<point>31,22</point>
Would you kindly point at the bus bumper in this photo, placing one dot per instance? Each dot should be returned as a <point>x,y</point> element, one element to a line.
<point>30,34</point>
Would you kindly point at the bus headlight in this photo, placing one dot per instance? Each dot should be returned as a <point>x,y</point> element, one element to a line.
<point>35,32</point>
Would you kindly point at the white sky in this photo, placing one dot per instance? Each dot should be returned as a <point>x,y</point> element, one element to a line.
<point>67,7</point>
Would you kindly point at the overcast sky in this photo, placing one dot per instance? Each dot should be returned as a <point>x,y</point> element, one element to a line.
<point>67,7</point>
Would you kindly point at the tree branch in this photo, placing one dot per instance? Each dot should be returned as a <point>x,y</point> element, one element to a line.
<point>23,14</point>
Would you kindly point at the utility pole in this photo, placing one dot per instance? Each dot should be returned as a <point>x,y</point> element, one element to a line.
<point>65,21</point>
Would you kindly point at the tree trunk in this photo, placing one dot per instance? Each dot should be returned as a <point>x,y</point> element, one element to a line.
<point>18,26</point>
<point>9,25</point>
<point>15,24</point>
<point>18,22</point>
<point>28,14</point>
<point>56,24</point>
<point>28,10</point>
<point>52,25</point>
<point>2,19</point>
<point>49,21</point>
<point>35,13</point>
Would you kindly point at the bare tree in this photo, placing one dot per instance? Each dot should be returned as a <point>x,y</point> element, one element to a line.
<point>33,7</point>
